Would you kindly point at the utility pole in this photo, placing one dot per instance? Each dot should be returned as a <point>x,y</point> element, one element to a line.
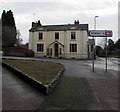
<point>106,54</point>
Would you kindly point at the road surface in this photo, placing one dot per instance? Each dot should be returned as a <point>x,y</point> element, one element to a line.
<point>18,95</point>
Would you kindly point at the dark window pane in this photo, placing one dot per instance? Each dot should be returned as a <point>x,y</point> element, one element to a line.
<point>56,35</point>
<point>73,47</point>
<point>73,35</point>
<point>40,47</point>
<point>40,36</point>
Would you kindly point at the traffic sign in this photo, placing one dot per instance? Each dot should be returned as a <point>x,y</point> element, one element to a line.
<point>100,33</point>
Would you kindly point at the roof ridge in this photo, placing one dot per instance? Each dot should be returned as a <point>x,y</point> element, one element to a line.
<point>65,25</point>
<point>61,27</point>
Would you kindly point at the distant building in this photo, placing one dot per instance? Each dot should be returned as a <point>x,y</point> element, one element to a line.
<point>59,41</point>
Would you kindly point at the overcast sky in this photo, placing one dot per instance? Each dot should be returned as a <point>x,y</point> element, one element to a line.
<point>63,12</point>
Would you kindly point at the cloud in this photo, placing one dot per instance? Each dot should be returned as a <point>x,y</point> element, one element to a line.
<point>62,12</point>
<point>119,20</point>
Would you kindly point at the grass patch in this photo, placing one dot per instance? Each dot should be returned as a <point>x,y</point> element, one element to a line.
<point>41,71</point>
<point>114,56</point>
<point>72,94</point>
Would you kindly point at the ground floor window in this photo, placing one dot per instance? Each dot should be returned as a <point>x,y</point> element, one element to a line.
<point>49,52</point>
<point>73,47</point>
<point>40,47</point>
<point>60,51</point>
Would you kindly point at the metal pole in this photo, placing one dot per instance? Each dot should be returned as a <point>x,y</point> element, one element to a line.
<point>95,23</point>
<point>93,49</point>
<point>106,54</point>
<point>93,52</point>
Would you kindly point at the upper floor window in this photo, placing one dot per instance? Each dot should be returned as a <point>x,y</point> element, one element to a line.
<point>73,35</point>
<point>40,36</point>
<point>57,35</point>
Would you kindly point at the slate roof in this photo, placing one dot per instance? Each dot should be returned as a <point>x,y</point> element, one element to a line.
<point>59,27</point>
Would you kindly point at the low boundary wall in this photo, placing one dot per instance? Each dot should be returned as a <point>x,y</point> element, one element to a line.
<point>45,89</point>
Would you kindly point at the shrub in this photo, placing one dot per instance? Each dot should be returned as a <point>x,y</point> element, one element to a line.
<point>15,51</point>
<point>29,53</point>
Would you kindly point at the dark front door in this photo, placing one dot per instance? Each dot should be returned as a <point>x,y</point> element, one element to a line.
<point>56,50</point>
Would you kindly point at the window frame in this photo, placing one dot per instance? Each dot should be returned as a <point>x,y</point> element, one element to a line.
<point>73,48</point>
<point>73,35</point>
<point>57,35</point>
<point>40,47</point>
<point>40,37</point>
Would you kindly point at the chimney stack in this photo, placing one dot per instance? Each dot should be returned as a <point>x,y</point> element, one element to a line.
<point>76,22</point>
<point>35,24</point>
<point>39,23</point>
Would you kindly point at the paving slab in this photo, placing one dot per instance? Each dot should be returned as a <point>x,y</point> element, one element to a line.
<point>106,93</point>
<point>17,94</point>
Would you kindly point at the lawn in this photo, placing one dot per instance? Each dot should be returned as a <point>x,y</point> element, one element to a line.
<point>42,71</point>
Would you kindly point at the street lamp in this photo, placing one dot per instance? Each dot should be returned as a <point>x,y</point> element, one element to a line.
<point>95,25</point>
<point>93,49</point>
<point>95,22</point>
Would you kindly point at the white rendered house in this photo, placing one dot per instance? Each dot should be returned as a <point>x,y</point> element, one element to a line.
<point>61,41</point>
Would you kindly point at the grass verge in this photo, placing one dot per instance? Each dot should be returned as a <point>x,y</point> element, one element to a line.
<point>41,71</point>
<point>114,56</point>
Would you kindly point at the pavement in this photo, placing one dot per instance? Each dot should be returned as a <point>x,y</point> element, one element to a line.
<point>0,86</point>
<point>79,89</point>
<point>17,94</point>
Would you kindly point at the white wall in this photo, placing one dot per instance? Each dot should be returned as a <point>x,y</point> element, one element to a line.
<point>64,38</point>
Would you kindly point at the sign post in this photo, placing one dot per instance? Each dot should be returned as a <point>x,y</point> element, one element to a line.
<point>106,54</point>
<point>93,53</point>
<point>100,33</point>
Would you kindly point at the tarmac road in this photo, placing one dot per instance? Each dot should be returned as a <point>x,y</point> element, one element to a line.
<point>19,95</point>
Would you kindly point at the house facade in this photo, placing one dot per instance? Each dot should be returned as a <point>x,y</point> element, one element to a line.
<point>59,41</point>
